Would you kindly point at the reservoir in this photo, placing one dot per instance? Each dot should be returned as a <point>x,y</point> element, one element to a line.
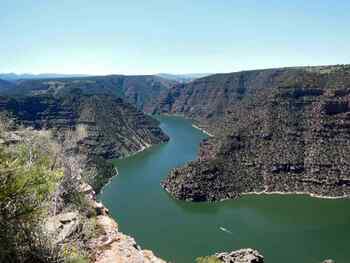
<point>284,228</point>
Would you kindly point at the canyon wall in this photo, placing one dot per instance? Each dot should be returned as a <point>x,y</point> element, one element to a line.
<point>279,130</point>
<point>103,127</point>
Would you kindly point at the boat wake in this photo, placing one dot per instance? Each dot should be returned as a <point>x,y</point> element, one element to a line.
<point>225,230</point>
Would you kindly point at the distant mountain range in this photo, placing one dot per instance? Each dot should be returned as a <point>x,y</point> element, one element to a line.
<point>183,78</point>
<point>14,76</point>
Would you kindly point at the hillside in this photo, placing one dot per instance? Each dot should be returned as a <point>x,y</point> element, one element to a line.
<point>141,91</point>
<point>278,130</point>
<point>103,127</point>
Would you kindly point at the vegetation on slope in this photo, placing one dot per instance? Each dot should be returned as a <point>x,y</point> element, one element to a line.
<point>27,180</point>
<point>31,175</point>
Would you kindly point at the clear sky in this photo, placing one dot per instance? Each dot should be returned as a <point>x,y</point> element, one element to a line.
<point>173,36</point>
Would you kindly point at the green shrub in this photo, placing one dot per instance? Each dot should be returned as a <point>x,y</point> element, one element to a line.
<point>27,179</point>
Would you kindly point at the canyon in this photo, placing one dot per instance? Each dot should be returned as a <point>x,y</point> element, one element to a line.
<point>273,131</point>
<point>88,131</point>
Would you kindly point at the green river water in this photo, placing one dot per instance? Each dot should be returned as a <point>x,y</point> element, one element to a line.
<point>284,228</point>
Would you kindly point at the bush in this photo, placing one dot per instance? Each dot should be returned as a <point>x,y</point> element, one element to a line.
<point>27,179</point>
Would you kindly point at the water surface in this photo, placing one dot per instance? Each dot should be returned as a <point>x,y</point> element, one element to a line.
<point>284,229</point>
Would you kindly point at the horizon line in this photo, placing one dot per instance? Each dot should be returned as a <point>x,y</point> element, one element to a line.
<point>169,73</point>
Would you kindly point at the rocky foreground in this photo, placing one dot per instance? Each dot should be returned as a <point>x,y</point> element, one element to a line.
<point>276,131</point>
<point>108,245</point>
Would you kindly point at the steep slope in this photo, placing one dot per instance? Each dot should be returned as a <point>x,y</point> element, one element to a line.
<point>141,91</point>
<point>74,226</point>
<point>279,130</point>
<point>104,127</point>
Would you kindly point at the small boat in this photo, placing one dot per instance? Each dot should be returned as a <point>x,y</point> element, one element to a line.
<point>225,230</point>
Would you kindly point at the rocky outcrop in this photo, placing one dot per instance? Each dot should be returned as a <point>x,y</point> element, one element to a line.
<point>105,244</point>
<point>108,244</point>
<point>276,131</point>
<point>113,246</point>
<point>100,127</point>
<point>246,255</point>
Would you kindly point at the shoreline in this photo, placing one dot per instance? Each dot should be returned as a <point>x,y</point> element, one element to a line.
<point>109,181</point>
<point>296,193</point>
<point>202,130</point>
<point>143,148</point>
<point>188,118</point>
<point>311,195</point>
<point>118,239</point>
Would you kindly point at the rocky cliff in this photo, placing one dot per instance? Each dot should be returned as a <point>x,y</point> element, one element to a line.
<point>102,127</point>
<point>74,226</point>
<point>278,130</point>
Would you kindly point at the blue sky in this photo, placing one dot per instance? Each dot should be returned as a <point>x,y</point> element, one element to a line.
<point>145,37</point>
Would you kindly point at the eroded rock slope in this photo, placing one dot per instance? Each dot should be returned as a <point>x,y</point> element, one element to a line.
<point>278,130</point>
<point>102,127</point>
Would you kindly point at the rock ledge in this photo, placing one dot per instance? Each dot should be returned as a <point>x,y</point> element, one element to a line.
<point>246,255</point>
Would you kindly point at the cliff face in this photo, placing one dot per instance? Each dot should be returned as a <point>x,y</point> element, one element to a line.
<point>74,225</point>
<point>280,130</point>
<point>208,99</point>
<point>141,91</point>
<point>102,127</point>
